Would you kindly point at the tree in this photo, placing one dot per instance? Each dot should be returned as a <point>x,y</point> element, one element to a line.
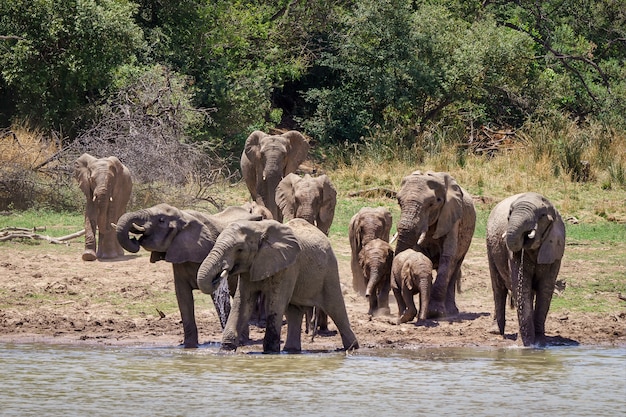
<point>56,55</point>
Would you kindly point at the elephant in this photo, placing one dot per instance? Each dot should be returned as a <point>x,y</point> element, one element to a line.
<point>525,246</point>
<point>411,273</point>
<point>266,160</point>
<point>310,198</point>
<point>367,224</point>
<point>375,260</point>
<point>292,264</point>
<point>253,208</point>
<point>107,185</point>
<point>183,238</point>
<point>437,217</point>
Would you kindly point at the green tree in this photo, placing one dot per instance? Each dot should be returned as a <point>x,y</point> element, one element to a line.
<point>56,55</point>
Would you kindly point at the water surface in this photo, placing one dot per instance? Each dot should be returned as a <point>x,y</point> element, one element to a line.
<point>58,380</point>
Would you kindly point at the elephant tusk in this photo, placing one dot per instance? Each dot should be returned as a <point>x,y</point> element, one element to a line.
<point>94,199</point>
<point>139,228</point>
<point>531,234</point>
<point>111,199</point>
<point>393,238</point>
<point>113,225</point>
<point>224,274</point>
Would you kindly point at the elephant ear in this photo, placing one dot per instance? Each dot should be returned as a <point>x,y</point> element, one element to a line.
<point>285,196</point>
<point>252,148</point>
<point>329,200</point>
<point>192,242</point>
<point>452,209</point>
<point>553,243</point>
<point>387,221</point>
<point>278,250</point>
<point>354,235</point>
<point>298,150</point>
<point>81,173</point>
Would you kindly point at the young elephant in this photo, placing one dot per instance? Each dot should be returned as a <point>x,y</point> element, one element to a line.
<point>375,260</point>
<point>411,273</point>
<point>292,264</point>
<point>183,238</point>
<point>525,245</point>
<point>367,224</point>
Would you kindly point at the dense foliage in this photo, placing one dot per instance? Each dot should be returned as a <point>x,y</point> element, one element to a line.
<point>339,70</point>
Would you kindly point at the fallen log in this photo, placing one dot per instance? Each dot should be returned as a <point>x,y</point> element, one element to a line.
<point>11,233</point>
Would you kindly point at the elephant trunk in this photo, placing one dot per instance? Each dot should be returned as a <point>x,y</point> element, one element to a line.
<point>372,283</point>
<point>410,227</point>
<point>213,269</point>
<point>522,227</point>
<point>131,223</point>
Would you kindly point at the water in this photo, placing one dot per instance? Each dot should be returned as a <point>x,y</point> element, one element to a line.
<point>56,380</point>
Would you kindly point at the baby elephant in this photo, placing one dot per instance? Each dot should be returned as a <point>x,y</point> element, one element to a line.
<point>375,260</point>
<point>411,273</point>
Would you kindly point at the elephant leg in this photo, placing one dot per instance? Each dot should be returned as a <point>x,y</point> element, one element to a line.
<point>237,323</point>
<point>336,309</point>
<point>294,328</point>
<point>500,293</point>
<point>397,293</point>
<point>89,254</point>
<point>184,296</point>
<point>451,307</point>
<point>437,305</point>
<point>322,321</point>
<point>411,311</point>
<point>545,278</point>
<point>383,297</point>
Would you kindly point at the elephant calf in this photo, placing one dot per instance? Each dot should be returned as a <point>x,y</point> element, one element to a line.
<point>411,273</point>
<point>375,260</point>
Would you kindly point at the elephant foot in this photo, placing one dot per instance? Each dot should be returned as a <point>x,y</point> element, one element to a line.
<point>436,309</point>
<point>405,318</point>
<point>228,346</point>
<point>189,345</point>
<point>89,255</point>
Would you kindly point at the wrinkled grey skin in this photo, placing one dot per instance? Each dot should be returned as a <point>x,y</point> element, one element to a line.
<point>367,224</point>
<point>253,208</point>
<point>411,273</point>
<point>107,185</point>
<point>437,218</point>
<point>266,160</point>
<point>526,223</point>
<point>375,260</point>
<point>310,198</point>
<point>183,238</point>
<point>292,264</point>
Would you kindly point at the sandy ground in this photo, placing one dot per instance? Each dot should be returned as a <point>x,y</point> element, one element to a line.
<point>47,293</point>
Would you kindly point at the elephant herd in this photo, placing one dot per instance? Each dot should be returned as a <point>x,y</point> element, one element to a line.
<point>275,249</point>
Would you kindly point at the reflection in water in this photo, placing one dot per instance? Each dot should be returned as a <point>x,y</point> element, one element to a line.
<point>46,380</point>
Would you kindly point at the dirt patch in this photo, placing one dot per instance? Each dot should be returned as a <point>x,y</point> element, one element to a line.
<point>47,293</point>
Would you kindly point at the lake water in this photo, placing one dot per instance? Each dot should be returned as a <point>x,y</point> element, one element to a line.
<point>58,380</point>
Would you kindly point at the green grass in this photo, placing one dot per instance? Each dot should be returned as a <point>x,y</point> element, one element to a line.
<point>56,224</point>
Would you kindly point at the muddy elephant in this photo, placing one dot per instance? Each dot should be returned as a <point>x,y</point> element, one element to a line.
<point>292,264</point>
<point>183,238</point>
<point>367,224</point>
<point>375,260</point>
<point>437,217</point>
<point>310,198</point>
<point>525,245</point>
<point>107,185</point>
<point>411,274</point>
<point>266,160</point>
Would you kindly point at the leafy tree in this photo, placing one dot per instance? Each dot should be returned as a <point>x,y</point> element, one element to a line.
<point>56,55</point>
